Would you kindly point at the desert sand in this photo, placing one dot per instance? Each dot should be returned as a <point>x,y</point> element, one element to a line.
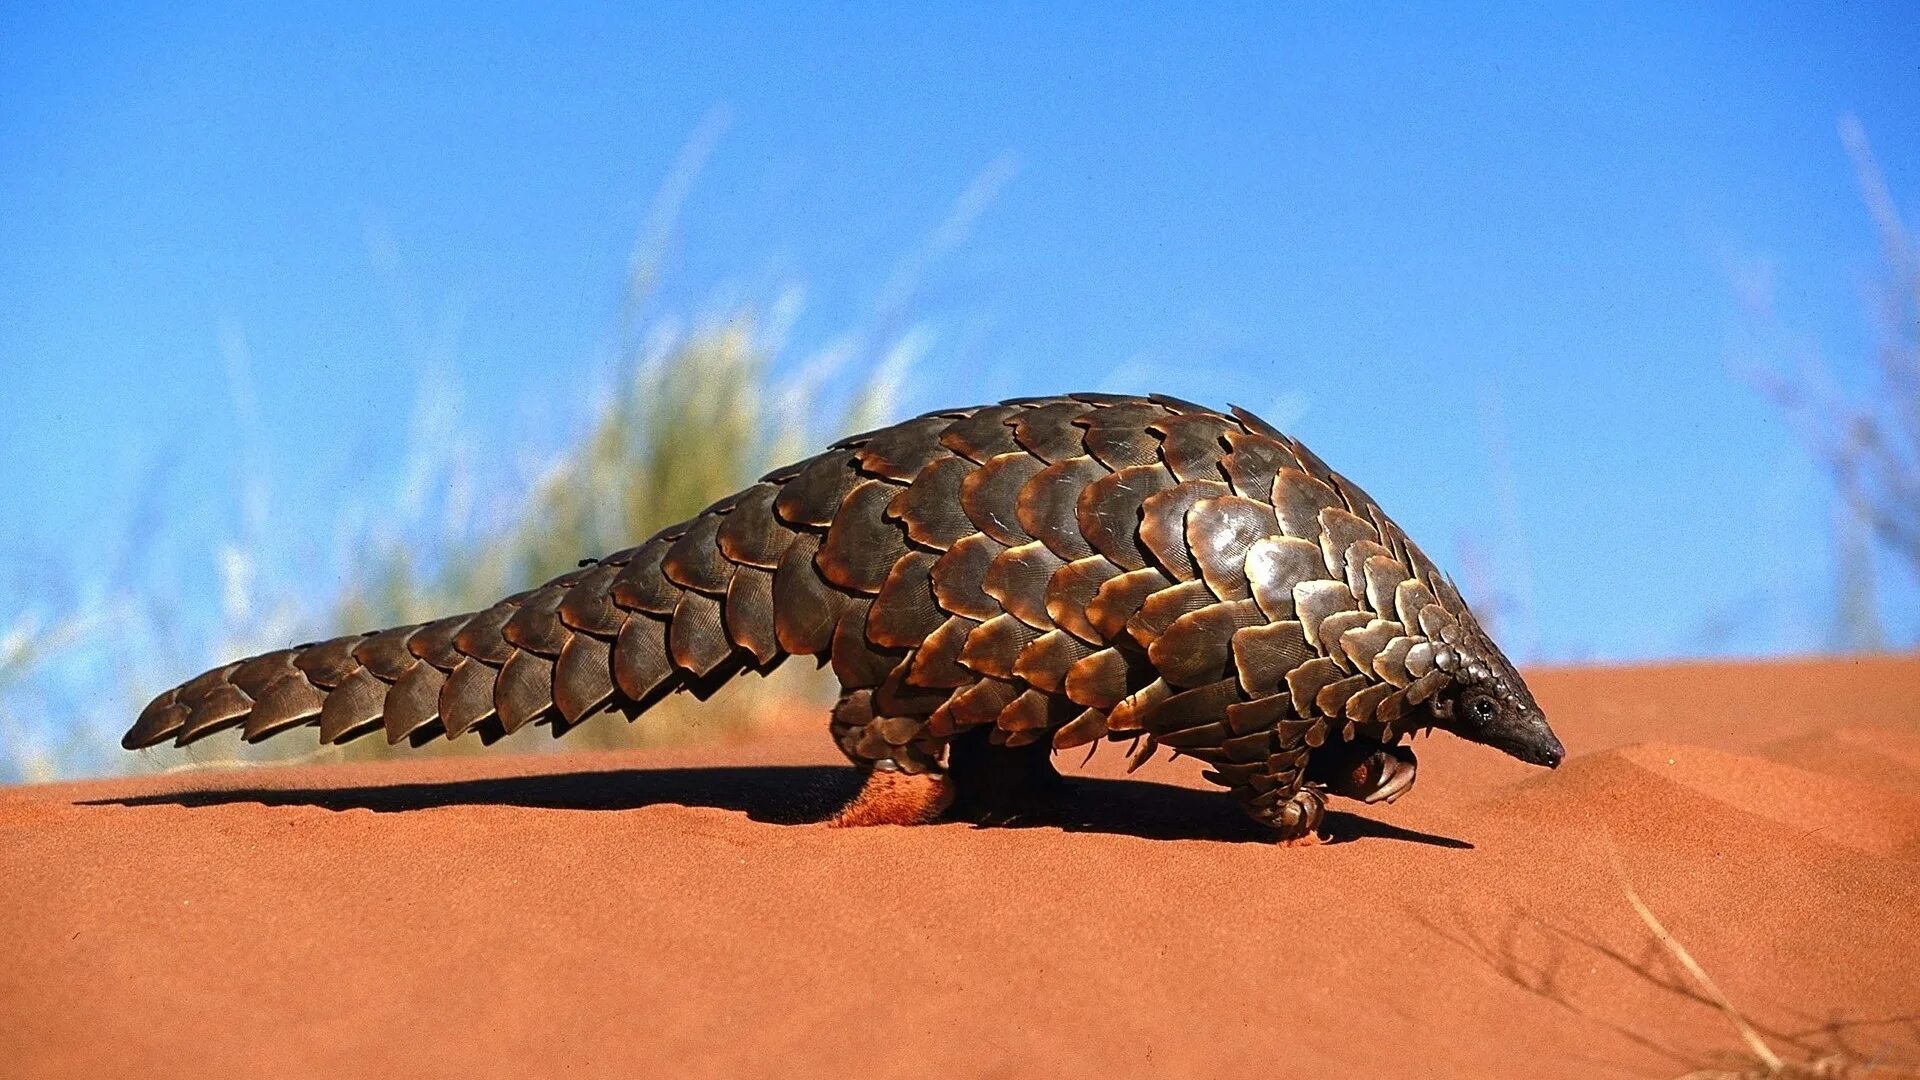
<point>682,913</point>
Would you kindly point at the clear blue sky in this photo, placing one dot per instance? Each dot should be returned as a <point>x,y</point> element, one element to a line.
<point>1420,236</point>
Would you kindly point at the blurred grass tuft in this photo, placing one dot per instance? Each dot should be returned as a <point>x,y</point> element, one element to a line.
<point>1867,443</point>
<point>693,418</point>
<point>685,430</point>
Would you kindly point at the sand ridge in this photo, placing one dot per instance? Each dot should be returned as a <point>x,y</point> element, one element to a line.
<point>681,912</point>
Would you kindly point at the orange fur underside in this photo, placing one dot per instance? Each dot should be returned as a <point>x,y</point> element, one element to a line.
<point>897,798</point>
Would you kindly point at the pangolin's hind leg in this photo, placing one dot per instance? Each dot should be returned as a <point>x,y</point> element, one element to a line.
<point>905,783</point>
<point>1003,784</point>
<point>913,776</point>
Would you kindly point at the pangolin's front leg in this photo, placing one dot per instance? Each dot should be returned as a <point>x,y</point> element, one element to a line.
<point>1279,794</point>
<point>1367,771</point>
<point>1294,802</point>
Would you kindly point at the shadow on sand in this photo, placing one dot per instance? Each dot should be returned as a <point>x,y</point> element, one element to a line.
<point>793,795</point>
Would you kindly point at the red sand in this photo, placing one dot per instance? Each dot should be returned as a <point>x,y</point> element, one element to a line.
<point>674,913</point>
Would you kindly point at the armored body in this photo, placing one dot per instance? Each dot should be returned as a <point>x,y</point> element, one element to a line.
<point>989,585</point>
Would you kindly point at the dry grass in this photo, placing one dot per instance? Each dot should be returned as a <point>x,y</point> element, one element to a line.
<point>24,645</point>
<point>685,430</point>
<point>1868,444</point>
<point>694,417</point>
<point>698,420</point>
<point>1759,1060</point>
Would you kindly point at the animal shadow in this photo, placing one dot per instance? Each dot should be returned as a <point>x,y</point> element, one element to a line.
<point>793,795</point>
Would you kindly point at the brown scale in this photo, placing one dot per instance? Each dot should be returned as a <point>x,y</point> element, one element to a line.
<point>1110,508</point>
<point>466,700</point>
<point>1162,607</point>
<point>1120,598</point>
<point>906,611</point>
<point>861,545</point>
<point>1048,507</point>
<point>994,646</point>
<point>1045,661</point>
<point>1100,680</point>
<point>1118,436</point>
<point>1192,444</point>
<point>1163,525</point>
<point>1219,534</point>
<point>1252,461</point>
<point>959,577</point>
<point>988,585</point>
<point>936,663</point>
<point>748,613</point>
<point>1197,647</point>
<point>1017,580</point>
<point>249,677</point>
<point>1071,589</point>
<point>929,508</point>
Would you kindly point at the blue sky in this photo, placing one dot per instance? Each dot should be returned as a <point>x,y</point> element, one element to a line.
<point>1488,264</point>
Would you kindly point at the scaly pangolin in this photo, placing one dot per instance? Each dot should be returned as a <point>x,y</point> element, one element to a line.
<point>990,585</point>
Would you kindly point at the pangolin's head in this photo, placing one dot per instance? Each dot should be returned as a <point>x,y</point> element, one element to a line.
<point>1487,702</point>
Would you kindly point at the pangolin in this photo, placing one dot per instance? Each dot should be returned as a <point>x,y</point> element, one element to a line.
<point>990,585</point>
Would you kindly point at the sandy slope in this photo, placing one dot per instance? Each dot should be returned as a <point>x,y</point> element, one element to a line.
<point>673,913</point>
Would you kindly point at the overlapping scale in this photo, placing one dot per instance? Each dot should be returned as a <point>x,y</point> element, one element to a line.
<point>1163,525</point>
<point>1109,512</point>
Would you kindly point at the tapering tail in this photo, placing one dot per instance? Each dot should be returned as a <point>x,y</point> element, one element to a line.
<point>688,609</point>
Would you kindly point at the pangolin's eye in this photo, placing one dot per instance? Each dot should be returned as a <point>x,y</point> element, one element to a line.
<point>1480,708</point>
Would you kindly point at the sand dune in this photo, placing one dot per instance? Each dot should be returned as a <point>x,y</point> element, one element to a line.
<point>1879,756</point>
<point>679,913</point>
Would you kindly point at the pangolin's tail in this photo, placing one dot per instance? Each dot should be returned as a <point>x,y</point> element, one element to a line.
<point>688,609</point>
